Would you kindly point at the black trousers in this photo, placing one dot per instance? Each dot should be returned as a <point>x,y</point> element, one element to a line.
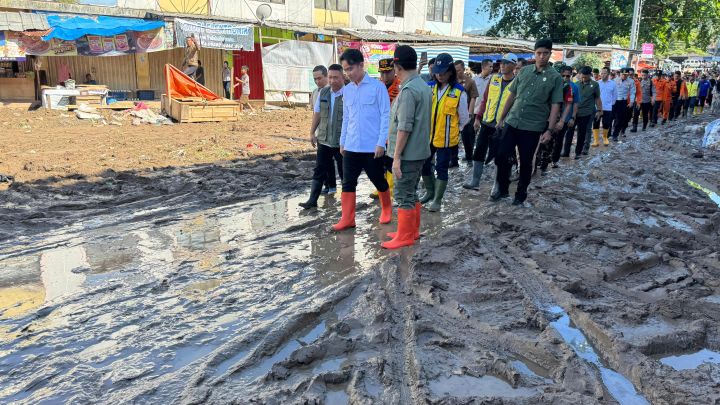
<point>701,101</point>
<point>467,136</point>
<point>645,110</point>
<point>582,124</point>
<point>619,112</point>
<point>526,143</point>
<point>564,142</point>
<point>628,116</point>
<point>636,116</point>
<point>676,108</point>
<point>325,165</point>
<point>353,165</point>
<point>656,111</point>
<point>485,142</point>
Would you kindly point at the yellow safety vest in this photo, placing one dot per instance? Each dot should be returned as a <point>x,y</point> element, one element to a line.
<point>445,124</point>
<point>496,99</point>
<point>692,89</point>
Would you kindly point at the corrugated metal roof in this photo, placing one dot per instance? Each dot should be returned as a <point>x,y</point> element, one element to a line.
<point>15,21</point>
<point>163,15</point>
<point>476,43</point>
<point>309,29</point>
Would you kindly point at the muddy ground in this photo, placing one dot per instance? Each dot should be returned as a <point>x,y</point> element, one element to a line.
<point>207,284</point>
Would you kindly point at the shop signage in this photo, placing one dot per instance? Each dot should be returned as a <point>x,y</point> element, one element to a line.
<point>216,35</point>
<point>373,52</point>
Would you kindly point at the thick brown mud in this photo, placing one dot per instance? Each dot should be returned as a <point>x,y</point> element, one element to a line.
<point>210,285</point>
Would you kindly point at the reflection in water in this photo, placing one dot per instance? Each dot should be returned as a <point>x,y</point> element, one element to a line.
<point>56,269</point>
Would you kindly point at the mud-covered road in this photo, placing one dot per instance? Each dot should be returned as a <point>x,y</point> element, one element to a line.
<point>208,284</point>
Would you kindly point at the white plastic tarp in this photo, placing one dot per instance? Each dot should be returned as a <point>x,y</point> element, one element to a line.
<point>711,139</point>
<point>288,65</point>
<point>457,52</point>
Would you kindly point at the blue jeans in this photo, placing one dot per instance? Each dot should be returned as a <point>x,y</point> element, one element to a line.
<point>442,164</point>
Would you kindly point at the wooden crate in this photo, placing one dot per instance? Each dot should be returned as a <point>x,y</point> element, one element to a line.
<point>194,109</point>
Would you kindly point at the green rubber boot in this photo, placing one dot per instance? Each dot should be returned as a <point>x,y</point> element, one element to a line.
<point>429,182</point>
<point>436,203</point>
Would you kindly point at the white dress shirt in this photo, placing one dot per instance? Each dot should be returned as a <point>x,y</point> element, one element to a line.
<point>366,116</point>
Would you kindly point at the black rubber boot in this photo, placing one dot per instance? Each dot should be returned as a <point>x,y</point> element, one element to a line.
<point>315,190</point>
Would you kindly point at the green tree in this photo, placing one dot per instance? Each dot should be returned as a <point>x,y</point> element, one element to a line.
<point>592,22</point>
<point>588,59</point>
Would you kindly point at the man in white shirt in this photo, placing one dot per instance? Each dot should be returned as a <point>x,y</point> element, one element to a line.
<point>608,96</point>
<point>365,126</point>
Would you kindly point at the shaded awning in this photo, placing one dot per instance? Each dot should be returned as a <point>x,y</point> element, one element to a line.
<point>15,21</point>
<point>68,28</point>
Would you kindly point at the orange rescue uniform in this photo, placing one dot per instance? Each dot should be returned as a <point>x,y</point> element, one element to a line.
<point>394,90</point>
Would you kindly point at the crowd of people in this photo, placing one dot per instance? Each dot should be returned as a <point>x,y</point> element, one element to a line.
<point>408,126</point>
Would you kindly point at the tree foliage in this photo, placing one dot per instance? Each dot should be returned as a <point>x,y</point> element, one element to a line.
<point>592,22</point>
<point>588,59</point>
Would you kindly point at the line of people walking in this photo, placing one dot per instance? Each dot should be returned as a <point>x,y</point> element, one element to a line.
<point>406,126</point>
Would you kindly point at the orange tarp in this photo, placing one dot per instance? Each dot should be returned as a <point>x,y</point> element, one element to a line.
<point>180,85</point>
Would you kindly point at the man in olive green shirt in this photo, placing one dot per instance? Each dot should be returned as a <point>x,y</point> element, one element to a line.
<point>408,144</point>
<point>529,117</point>
<point>590,104</point>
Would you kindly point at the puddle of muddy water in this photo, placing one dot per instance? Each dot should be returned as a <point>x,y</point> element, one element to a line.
<point>337,397</point>
<point>691,360</point>
<point>485,386</point>
<point>617,385</point>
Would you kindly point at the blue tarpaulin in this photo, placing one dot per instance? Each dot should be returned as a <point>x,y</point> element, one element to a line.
<point>68,28</point>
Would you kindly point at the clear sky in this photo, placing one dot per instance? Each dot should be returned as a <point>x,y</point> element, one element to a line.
<point>475,21</point>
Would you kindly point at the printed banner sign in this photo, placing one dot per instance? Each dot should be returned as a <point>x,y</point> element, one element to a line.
<point>17,45</point>
<point>10,50</point>
<point>32,45</point>
<point>648,51</point>
<point>122,44</point>
<point>373,53</point>
<point>619,60</point>
<point>216,35</point>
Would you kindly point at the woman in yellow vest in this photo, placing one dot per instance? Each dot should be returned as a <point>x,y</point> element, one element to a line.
<point>492,105</point>
<point>449,113</point>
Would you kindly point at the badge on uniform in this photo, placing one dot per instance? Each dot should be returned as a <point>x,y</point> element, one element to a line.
<point>544,79</point>
<point>452,95</point>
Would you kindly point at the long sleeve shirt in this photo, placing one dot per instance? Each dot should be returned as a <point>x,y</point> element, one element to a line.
<point>625,89</point>
<point>366,116</point>
<point>648,91</point>
<point>608,94</point>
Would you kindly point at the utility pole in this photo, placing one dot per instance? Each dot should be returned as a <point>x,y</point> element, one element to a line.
<point>635,28</point>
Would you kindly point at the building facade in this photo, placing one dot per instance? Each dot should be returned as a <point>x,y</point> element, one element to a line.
<point>443,17</point>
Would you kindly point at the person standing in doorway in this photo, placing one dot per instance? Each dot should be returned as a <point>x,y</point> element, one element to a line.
<point>408,144</point>
<point>325,130</point>
<point>449,114</point>
<point>200,73</point>
<point>245,83</point>
<point>468,131</point>
<point>192,54</point>
<point>365,125</point>
<point>227,79</point>
<point>495,97</point>
<point>529,117</point>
